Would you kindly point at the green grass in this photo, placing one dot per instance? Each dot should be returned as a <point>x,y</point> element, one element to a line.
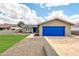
<point>6,41</point>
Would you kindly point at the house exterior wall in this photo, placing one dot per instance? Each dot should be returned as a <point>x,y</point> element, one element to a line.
<point>57,23</point>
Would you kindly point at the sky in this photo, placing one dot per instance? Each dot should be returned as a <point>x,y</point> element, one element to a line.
<point>44,10</point>
<point>35,13</point>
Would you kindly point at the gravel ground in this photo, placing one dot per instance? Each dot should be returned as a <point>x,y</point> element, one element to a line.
<point>27,47</point>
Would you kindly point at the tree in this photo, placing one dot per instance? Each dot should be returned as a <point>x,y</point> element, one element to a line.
<point>21,24</point>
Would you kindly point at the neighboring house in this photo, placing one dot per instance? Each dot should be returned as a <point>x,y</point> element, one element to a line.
<point>14,27</point>
<point>9,27</point>
<point>5,26</point>
<point>30,29</point>
<point>55,27</point>
<point>75,29</point>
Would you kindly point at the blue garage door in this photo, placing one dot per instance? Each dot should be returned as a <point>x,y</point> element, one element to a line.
<point>53,31</point>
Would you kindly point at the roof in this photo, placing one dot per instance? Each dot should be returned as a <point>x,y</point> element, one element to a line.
<point>58,19</point>
<point>32,25</point>
<point>13,25</point>
<point>4,26</point>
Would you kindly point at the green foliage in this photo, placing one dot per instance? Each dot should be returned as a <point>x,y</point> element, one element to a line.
<point>21,24</point>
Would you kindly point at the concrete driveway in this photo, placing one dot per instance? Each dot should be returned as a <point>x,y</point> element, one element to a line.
<point>64,46</point>
<point>30,46</point>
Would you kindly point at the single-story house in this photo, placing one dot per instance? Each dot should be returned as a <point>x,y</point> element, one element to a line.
<point>55,27</point>
<point>5,26</point>
<point>26,29</point>
<point>14,27</point>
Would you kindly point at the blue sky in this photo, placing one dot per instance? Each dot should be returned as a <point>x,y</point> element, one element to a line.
<point>68,10</point>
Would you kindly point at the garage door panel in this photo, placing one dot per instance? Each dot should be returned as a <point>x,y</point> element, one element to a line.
<point>53,30</point>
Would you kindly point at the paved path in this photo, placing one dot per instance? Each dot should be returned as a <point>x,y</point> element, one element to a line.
<point>31,46</point>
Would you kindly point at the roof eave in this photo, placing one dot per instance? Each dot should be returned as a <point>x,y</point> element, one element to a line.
<point>59,19</point>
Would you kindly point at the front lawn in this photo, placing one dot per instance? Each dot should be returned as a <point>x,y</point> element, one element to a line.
<point>6,41</point>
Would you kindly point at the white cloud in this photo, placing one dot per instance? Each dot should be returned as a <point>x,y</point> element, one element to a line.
<point>56,4</point>
<point>18,12</point>
<point>59,14</point>
<point>56,14</point>
<point>74,18</point>
<point>50,5</point>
